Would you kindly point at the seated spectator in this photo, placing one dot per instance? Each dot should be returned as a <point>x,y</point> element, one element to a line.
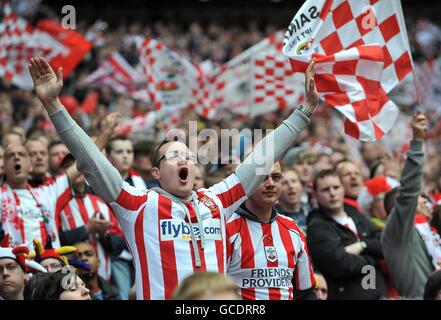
<point>207,286</point>
<point>342,244</point>
<point>52,286</point>
<point>412,250</point>
<point>432,290</point>
<point>321,286</point>
<point>290,203</point>
<point>99,288</point>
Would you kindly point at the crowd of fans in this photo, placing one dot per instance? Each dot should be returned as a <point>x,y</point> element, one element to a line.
<point>369,213</point>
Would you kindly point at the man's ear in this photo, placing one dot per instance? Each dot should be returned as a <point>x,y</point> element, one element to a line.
<point>155,173</point>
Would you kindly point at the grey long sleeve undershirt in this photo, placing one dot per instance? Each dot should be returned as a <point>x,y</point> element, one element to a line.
<point>107,182</point>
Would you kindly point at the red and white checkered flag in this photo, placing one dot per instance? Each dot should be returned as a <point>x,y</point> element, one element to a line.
<point>19,42</point>
<point>275,86</point>
<point>330,26</point>
<point>119,76</point>
<point>350,82</point>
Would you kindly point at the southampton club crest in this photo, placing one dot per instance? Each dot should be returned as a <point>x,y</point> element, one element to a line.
<point>271,253</point>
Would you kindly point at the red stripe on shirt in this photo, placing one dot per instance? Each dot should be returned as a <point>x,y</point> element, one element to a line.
<point>232,195</point>
<point>70,218</point>
<point>247,260</point>
<point>287,243</point>
<point>43,232</point>
<point>129,201</point>
<point>142,255</point>
<point>63,203</point>
<point>83,211</point>
<point>167,250</point>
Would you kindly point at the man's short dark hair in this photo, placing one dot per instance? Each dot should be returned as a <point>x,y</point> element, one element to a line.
<point>54,143</point>
<point>323,174</point>
<point>109,143</point>
<point>156,153</point>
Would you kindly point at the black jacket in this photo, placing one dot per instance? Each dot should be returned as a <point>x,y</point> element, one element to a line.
<point>343,271</point>
<point>109,292</point>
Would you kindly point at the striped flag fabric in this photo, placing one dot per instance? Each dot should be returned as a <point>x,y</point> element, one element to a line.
<point>327,28</point>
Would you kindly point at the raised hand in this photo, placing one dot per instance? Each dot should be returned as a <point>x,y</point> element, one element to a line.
<point>47,84</point>
<point>312,98</point>
<point>419,125</point>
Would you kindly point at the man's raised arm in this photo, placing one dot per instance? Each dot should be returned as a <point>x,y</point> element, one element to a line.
<point>258,163</point>
<point>102,176</point>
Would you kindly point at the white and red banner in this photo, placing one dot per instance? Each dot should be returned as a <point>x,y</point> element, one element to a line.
<point>325,28</point>
<point>257,81</point>
<point>19,42</point>
<point>119,76</point>
<point>170,77</point>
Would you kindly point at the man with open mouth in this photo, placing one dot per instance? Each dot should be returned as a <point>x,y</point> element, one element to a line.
<point>27,212</point>
<point>171,230</point>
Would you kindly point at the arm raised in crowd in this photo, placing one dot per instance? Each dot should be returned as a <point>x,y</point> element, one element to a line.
<point>271,148</point>
<point>401,219</point>
<point>102,176</point>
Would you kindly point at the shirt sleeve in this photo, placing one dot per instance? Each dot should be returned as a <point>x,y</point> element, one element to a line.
<point>129,202</point>
<point>230,193</point>
<point>303,274</point>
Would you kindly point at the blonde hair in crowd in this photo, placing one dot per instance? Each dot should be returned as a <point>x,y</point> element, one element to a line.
<point>199,283</point>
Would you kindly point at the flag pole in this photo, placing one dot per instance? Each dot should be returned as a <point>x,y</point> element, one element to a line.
<point>415,81</point>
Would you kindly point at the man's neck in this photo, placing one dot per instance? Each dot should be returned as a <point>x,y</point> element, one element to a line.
<point>263,213</point>
<point>14,296</point>
<point>337,213</point>
<point>93,284</point>
<point>19,185</point>
<point>124,174</point>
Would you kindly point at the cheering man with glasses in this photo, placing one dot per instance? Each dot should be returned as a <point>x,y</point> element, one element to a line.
<point>171,230</point>
<point>267,253</point>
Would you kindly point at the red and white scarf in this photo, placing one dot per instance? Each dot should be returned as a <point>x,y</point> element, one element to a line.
<point>431,239</point>
<point>13,224</point>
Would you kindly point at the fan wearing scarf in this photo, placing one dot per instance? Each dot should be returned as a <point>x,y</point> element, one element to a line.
<point>14,265</point>
<point>412,249</point>
<point>27,212</point>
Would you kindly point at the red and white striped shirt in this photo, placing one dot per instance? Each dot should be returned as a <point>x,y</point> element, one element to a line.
<point>264,258</point>
<point>78,212</point>
<point>30,213</point>
<point>157,231</point>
